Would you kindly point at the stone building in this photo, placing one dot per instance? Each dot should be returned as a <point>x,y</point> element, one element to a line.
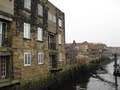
<point>32,38</point>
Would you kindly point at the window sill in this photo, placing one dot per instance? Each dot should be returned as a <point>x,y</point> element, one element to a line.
<point>27,39</point>
<point>40,41</point>
<point>28,10</point>
<point>60,44</point>
<point>27,65</point>
<point>40,63</point>
<point>40,16</point>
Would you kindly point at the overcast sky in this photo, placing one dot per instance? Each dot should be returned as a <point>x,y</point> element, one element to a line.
<point>91,20</point>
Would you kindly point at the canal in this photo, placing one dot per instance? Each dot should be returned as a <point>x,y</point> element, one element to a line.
<point>102,80</point>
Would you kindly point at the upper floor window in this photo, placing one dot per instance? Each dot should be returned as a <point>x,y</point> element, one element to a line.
<point>3,33</point>
<point>60,57</point>
<point>27,59</point>
<point>51,17</point>
<point>40,58</point>
<point>27,4</point>
<point>59,39</point>
<point>40,10</point>
<point>54,19</point>
<point>40,34</point>
<point>27,30</point>
<point>60,22</point>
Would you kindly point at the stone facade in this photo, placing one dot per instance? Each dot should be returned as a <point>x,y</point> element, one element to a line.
<point>19,45</point>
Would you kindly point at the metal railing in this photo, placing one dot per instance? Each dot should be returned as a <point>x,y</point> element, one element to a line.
<point>52,46</point>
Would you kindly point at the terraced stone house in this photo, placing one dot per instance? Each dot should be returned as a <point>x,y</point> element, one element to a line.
<point>32,38</point>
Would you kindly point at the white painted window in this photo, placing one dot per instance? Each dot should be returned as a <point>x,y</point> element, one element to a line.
<point>40,10</point>
<point>40,58</point>
<point>3,32</point>
<point>27,4</point>
<point>60,23</point>
<point>0,34</point>
<point>40,34</point>
<point>27,30</point>
<point>54,19</point>
<point>27,59</point>
<point>59,39</point>
<point>49,16</point>
<point>60,57</point>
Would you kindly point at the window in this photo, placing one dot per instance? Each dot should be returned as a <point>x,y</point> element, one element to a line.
<point>49,16</point>
<point>40,10</point>
<point>59,39</point>
<point>60,56</point>
<point>3,33</point>
<point>54,19</point>
<point>27,59</point>
<point>27,30</point>
<point>27,4</point>
<point>40,34</point>
<point>40,58</point>
<point>60,23</point>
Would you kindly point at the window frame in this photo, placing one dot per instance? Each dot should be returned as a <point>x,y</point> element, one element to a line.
<point>60,57</point>
<point>59,39</point>
<point>40,9</point>
<point>60,22</point>
<point>27,4</point>
<point>40,34</point>
<point>49,16</point>
<point>27,30</point>
<point>54,18</point>
<point>41,58</point>
<point>3,33</point>
<point>28,61</point>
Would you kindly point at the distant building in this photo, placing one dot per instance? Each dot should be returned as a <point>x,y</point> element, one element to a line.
<point>92,48</point>
<point>113,50</point>
<point>85,48</point>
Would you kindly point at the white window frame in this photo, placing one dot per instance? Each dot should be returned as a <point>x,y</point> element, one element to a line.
<point>49,16</point>
<point>41,58</point>
<point>40,34</point>
<point>60,22</point>
<point>0,34</point>
<point>27,30</point>
<point>40,10</point>
<point>60,57</point>
<point>59,39</point>
<point>54,19</point>
<point>27,4</point>
<point>28,59</point>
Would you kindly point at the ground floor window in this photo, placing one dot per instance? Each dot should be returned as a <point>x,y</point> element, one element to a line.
<point>40,58</point>
<point>27,59</point>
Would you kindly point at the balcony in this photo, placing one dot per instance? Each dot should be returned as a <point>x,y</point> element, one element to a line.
<point>55,65</point>
<point>52,46</point>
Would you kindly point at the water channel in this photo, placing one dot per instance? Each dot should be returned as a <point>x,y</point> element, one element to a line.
<point>90,81</point>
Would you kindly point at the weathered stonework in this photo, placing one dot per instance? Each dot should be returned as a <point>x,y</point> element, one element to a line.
<point>19,45</point>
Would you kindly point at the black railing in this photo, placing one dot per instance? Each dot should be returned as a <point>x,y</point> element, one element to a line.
<point>52,46</point>
<point>56,66</point>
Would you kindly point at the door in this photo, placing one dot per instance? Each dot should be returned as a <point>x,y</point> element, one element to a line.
<point>2,67</point>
